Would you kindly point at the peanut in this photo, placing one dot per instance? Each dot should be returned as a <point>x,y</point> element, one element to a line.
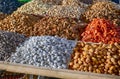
<point>97,58</point>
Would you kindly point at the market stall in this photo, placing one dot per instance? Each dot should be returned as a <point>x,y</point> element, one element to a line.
<point>68,39</point>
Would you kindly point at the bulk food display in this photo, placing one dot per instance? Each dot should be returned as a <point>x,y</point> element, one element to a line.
<point>61,34</point>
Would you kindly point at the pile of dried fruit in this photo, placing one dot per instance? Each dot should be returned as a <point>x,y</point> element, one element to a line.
<point>97,58</point>
<point>20,23</point>
<point>45,51</point>
<point>101,30</point>
<point>57,26</point>
<point>8,43</point>
<point>107,10</point>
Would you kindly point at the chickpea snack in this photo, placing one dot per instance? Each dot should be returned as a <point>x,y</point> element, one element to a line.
<point>96,57</point>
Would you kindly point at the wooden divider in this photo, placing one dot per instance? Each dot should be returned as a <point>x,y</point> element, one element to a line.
<point>59,73</point>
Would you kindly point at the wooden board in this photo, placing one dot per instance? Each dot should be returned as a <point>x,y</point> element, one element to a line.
<point>59,73</point>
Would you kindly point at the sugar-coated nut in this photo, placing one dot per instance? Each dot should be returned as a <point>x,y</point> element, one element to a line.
<point>77,54</point>
<point>75,61</point>
<point>111,68</point>
<point>98,71</point>
<point>119,62</point>
<point>113,61</point>
<point>71,64</point>
<point>90,68</point>
<point>76,66</point>
<point>80,62</point>
<point>75,57</point>
<point>45,51</point>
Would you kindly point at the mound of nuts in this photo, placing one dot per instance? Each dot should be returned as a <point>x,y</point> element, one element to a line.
<point>96,57</point>
<point>20,23</point>
<point>58,26</point>
<point>108,10</point>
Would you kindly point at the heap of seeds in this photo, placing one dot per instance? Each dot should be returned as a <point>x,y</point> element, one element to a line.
<point>2,16</point>
<point>74,3</point>
<point>57,26</point>
<point>54,2</point>
<point>20,23</point>
<point>107,10</point>
<point>65,11</point>
<point>38,7</point>
<point>8,6</point>
<point>8,43</point>
<point>44,51</point>
<point>34,7</point>
<point>97,58</point>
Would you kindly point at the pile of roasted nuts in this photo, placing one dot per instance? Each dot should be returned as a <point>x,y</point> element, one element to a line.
<point>107,10</point>
<point>19,22</point>
<point>58,26</point>
<point>97,58</point>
